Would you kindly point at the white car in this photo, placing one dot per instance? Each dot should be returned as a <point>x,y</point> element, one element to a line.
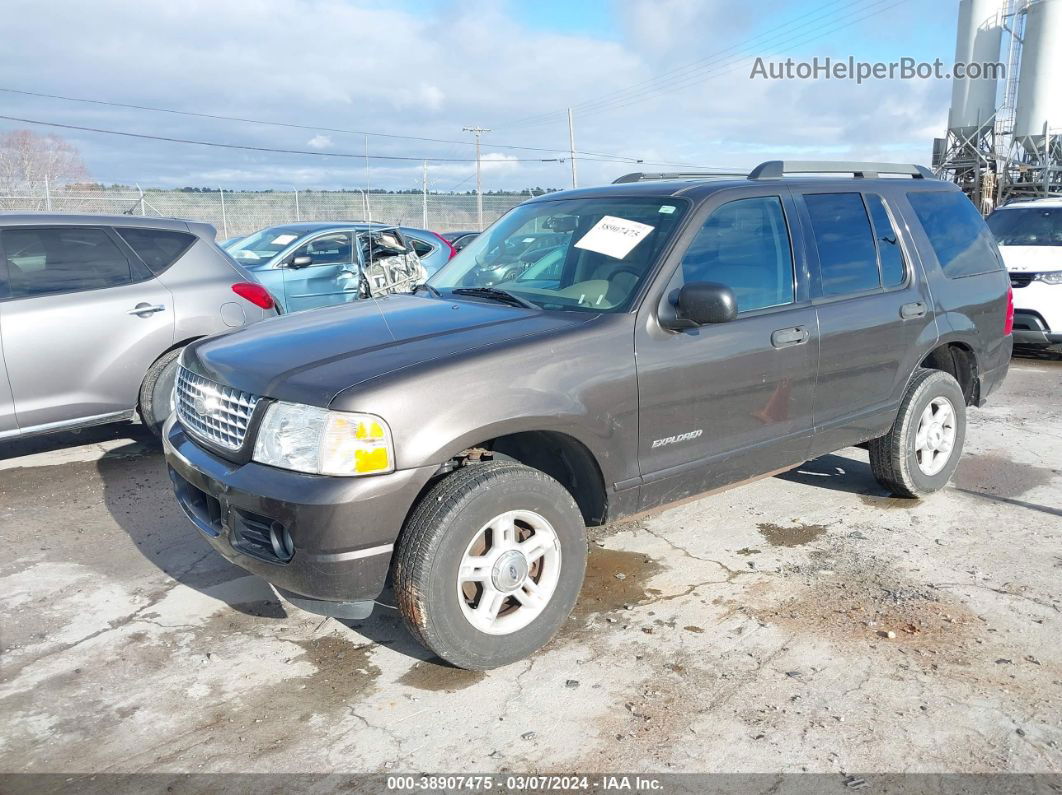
<point>1029,234</point>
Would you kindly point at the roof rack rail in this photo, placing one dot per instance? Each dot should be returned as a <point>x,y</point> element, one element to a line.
<point>776,169</point>
<point>640,176</point>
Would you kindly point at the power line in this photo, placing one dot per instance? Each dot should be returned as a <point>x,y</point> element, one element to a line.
<point>731,63</point>
<point>313,128</point>
<point>316,153</point>
<point>726,68</point>
<point>714,65</point>
<point>683,68</point>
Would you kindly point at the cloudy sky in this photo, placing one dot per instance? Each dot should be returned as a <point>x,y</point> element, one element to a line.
<point>664,81</point>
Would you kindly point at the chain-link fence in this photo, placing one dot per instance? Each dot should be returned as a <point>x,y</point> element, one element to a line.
<point>235,213</point>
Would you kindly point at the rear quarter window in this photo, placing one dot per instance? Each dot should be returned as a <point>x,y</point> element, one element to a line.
<point>158,248</point>
<point>423,249</point>
<point>959,236</point>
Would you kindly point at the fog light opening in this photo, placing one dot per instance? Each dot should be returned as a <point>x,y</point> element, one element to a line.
<point>280,538</point>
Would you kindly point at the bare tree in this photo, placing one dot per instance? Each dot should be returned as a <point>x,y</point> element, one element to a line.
<point>28,161</point>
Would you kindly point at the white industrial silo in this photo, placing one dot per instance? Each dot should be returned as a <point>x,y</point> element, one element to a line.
<point>973,102</point>
<point>1039,99</point>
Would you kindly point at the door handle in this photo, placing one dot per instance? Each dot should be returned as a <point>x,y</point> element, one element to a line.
<point>144,309</point>
<point>915,309</point>
<point>784,337</point>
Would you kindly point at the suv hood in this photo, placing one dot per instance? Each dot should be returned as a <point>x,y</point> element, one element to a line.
<point>1023,259</point>
<point>309,357</point>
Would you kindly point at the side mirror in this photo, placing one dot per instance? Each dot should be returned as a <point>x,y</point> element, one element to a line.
<point>701,303</point>
<point>301,261</point>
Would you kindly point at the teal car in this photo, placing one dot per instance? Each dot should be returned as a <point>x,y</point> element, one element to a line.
<point>314,264</point>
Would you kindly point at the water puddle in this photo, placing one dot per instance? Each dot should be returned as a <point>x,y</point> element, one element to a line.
<point>615,579</point>
<point>995,474</point>
<point>778,536</point>
<point>438,677</point>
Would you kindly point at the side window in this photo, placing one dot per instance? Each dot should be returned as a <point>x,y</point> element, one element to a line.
<point>158,248</point>
<point>848,261</point>
<point>333,249</point>
<point>893,271</point>
<point>956,231</point>
<point>744,244</point>
<point>47,261</point>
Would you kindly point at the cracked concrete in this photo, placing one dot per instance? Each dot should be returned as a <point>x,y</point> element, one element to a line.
<point>748,631</point>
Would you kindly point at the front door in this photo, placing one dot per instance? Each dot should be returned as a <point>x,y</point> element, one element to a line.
<point>873,306</point>
<point>82,323</point>
<point>321,272</point>
<point>722,403</point>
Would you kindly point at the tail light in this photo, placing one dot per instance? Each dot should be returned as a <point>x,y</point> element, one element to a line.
<point>255,293</point>
<point>1008,322</point>
<point>448,244</point>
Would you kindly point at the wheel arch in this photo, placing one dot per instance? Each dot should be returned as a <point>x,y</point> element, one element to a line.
<point>958,359</point>
<point>562,456</point>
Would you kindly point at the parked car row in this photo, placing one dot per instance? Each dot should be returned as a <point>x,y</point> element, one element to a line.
<point>95,310</point>
<point>614,348</point>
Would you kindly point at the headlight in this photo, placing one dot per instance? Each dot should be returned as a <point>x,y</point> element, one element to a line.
<point>1051,277</point>
<point>323,442</point>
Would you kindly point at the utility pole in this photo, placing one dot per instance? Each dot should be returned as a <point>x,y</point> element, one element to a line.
<point>478,131</point>
<point>424,200</point>
<point>368,210</point>
<point>571,147</point>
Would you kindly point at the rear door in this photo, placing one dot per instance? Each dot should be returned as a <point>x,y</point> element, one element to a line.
<point>722,403</point>
<point>329,279</point>
<point>873,309</point>
<point>83,321</point>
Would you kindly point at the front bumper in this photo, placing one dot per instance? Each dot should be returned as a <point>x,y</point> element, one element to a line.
<point>342,530</point>
<point>1038,314</point>
<point>1030,328</point>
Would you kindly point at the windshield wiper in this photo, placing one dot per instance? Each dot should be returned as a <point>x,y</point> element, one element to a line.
<point>431,290</point>
<point>494,294</point>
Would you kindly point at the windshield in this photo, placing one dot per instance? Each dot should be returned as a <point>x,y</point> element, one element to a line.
<point>264,245</point>
<point>1027,226</point>
<point>587,255</point>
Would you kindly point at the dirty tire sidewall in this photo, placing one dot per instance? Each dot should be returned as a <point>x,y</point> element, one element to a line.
<point>157,390</point>
<point>435,540</point>
<point>893,457</point>
<point>944,386</point>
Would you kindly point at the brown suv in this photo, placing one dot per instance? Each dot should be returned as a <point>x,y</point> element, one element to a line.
<point>673,334</point>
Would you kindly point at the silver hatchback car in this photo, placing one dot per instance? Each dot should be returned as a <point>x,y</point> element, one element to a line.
<point>95,310</point>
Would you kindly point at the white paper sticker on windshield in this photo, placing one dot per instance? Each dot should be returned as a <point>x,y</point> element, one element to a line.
<point>282,240</point>
<point>614,237</point>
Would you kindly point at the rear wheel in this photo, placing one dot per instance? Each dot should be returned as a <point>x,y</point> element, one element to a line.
<point>490,564</point>
<point>920,452</point>
<point>156,393</point>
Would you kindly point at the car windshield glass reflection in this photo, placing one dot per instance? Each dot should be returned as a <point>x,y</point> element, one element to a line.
<point>589,255</point>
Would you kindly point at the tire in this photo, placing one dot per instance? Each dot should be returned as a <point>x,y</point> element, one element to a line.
<point>156,393</point>
<point>894,459</point>
<point>467,509</point>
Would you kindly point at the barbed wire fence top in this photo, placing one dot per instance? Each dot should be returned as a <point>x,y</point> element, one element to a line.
<point>238,213</point>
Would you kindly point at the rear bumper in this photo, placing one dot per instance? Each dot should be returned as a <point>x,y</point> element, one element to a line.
<point>991,379</point>
<point>342,530</point>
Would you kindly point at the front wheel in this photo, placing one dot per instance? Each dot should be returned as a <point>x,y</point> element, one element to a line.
<point>920,452</point>
<point>156,392</point>
<point>490,564</point>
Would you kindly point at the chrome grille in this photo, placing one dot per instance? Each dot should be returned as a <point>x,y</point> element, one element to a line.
<point>213,412</point>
